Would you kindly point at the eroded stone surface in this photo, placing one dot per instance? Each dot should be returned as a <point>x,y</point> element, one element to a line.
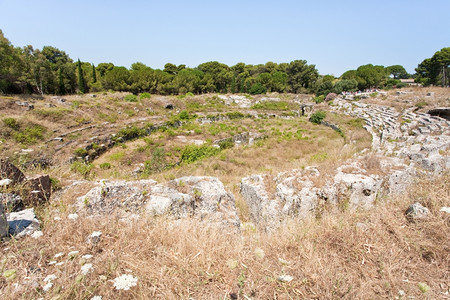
<point>200,197</point>
<point>405,143</point>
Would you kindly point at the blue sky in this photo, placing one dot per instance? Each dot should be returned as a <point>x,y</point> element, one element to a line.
<point>334,35</point>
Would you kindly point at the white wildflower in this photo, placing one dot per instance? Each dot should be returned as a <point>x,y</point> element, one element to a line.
<point>96,298</point>
<point>285,278</point>
<point>72,216</point>
<point>58,254</point>
<point>60,263</point>
<point>49,278</point>
<point>47,286</point>
<point>85,269</point>
<point>259,253</point>
<point>96,234</point>
<point>87,256</point>
<point>72,254</point>
<point>37,234</point>
<point>57,218</point>
<point>52,262</point>
<point>124,282</point>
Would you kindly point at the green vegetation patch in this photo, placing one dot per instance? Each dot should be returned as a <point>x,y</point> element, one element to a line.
<point>318,117</point>
<point>129,133</point>
<point>192,153</point>
<point>130,98</point>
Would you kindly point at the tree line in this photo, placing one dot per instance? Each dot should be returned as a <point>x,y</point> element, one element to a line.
<point>51,71</point>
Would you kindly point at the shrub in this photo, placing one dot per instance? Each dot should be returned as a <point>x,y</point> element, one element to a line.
<point>130,132</point>
<point>226,144</point>
<point>317,117</point>
<point>192,153</point>
<point>105,166</point>
<point>30,134</point>
<point>81,152</point>
<point>401,85</point>
<point>11,123</point>
<point>157,163</point>
<point>235,115</point>
<point>257,88</point>
<point>145,96</point>
<point>82,168</point>
<point>184,115</point>
<point>421,104</point>
<point>319,99</point>
<point>130,98</point>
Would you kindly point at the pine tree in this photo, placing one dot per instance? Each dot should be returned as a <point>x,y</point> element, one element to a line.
<point>94,75</point>
<point>61,87</point>
<point>81,84</point>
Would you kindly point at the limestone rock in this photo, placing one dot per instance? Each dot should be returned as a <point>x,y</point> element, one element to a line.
<point>210,199</point>
<point>22,223</point>
<point>115,196</point>
<point>297,193</point>
<point>416,211</point>
<point>200,197</point>
<point>358,189</point>
<point>263,211</point>
<point>3,223</point>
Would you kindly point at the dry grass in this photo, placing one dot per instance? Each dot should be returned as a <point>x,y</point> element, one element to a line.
<point>334,257</point>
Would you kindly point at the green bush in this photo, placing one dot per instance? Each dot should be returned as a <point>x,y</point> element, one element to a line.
<point>105,166</point>
<point>401,85</point>
<point>81,152</point>
<point>421,104</point>
<point>145,96</point>
<point>30,134</point>
<point>157,163</point>
<point>235,115</point>
<point>82,168</point>
<point>184,115</point>
<point>130,98</point>
<point>319,99</point>
<point>11,123</point>
<point>226,144</point>
<point>318,117</point>
<point>257,88</point>
<point>130,132</point>
<point>192,153</point>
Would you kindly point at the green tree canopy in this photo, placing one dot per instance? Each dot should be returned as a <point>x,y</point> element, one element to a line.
<point>397,71</point>
<point>435,70</point>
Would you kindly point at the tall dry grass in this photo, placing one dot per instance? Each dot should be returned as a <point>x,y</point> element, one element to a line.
<point>351,255</point>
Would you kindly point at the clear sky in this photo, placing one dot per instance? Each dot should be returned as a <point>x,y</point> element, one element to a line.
<point>335,35</point>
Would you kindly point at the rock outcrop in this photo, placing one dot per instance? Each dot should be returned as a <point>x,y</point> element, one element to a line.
<point>3,223</point>
<point>405,143</point>
<point>200,197</point>
<point>22,223</point>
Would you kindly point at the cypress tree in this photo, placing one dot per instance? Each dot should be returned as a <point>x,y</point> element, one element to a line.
<point>94,75</point>
<point>61,87</point>
<point>81,84</point>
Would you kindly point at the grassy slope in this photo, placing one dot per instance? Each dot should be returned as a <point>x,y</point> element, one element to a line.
<point>329,258</point>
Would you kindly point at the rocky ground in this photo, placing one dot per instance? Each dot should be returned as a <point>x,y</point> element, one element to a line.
<point>407,144</point>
